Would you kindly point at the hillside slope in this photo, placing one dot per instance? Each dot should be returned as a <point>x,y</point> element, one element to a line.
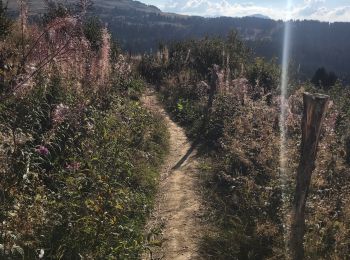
<point>140,28</point>
<point>38,6</point>
<point>314,44</point>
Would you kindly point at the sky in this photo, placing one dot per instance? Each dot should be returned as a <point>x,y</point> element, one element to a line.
<point>323,10</point>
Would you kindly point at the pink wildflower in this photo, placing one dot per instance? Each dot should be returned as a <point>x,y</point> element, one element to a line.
<point>42,150</point>
<point>105,55</point>
<point>74,166</point>
<point>23,15</point>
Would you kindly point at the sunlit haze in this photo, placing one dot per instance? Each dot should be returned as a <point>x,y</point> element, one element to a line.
<point>323,10</point>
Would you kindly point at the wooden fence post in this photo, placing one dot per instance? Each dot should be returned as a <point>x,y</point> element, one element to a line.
<point>315,106</point>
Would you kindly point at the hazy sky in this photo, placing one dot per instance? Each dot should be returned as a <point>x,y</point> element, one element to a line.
<point>324,10</point>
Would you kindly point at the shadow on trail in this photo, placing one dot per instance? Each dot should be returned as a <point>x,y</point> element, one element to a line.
<point>186,156</point>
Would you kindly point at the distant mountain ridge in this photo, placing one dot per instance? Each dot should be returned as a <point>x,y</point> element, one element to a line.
<point>38,6</point>
<point>127,5</point>
<point>259,16</point>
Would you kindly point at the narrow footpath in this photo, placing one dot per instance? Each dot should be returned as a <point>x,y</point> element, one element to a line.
<point>178,213</point>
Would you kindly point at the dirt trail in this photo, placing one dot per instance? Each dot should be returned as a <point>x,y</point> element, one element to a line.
<point>178,213</point>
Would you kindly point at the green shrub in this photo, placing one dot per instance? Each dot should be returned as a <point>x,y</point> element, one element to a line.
<point>93,32</point>
<point>265,75</point>
<point>83,183</point>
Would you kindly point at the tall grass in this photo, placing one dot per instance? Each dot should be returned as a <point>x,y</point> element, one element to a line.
<point>78,153</point>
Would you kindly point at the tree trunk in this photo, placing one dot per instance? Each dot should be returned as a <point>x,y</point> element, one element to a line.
<point>315,106</point>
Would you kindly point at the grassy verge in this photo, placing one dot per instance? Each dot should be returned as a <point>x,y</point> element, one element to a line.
<point>82,184</point>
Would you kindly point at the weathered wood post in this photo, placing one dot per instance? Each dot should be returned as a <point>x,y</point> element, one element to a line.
<point>315,106</point>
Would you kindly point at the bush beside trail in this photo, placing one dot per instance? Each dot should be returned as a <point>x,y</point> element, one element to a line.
<point>240,144</point>
<point>79,155</point>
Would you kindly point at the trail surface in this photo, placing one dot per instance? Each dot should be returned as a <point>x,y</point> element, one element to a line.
<point>178,213</point>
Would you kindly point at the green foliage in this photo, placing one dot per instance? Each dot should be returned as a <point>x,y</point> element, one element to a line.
<point>79,154</point>
<point>90,193</point>
<point>55,10</point>
<point>185,105</point>
<point>240,139</point>
<point>196,57</point>
<point>201,55</point>
<point>93,32</point>
<point>78,163</point>
<point>323,79</point>
<point>241,188</point>
<point>151,69</point>
<point>264,74</point>
<point>134,88</point>
<point>115,51</point>
<point>241,182</point>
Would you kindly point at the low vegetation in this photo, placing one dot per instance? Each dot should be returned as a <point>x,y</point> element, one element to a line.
<point>239,136</point>
<point>79,155</point>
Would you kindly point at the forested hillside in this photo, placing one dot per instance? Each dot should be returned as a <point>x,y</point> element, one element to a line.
<point>314,44</point>
<point>140,28</point>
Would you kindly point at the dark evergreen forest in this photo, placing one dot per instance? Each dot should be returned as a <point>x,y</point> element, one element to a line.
<point>314,44</point>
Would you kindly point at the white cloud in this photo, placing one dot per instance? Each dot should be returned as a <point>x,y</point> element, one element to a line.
<point>309,9</point>
<point>317,10</point>
<point>214,8</point>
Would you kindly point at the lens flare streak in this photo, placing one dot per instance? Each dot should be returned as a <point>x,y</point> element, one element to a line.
<point>283,114</point>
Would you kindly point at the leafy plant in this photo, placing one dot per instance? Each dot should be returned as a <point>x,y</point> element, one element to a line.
<point>79,155</point>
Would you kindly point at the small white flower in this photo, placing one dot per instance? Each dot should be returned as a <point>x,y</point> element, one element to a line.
<point>60,113</point>
<point>41,253</point>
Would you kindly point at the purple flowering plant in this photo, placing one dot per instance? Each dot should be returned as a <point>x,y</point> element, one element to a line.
<point>42,150</point>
